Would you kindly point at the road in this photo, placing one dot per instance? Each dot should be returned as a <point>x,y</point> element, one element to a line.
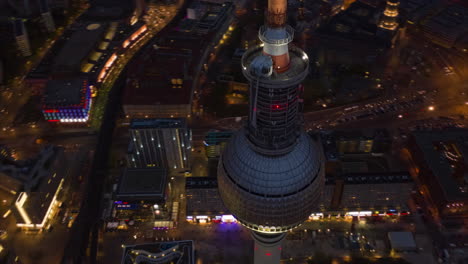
<point>86,230</point>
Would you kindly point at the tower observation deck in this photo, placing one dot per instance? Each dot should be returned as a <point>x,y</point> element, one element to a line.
<point>271,172</point>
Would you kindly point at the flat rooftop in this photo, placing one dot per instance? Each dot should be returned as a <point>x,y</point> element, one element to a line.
<point>358,22</point>
<point>38,202</point>
<point>78,46</point>
<point>201,182</point>
<point>149,183</point>
<point>216,137</point>
<point>64,92</point>
<point>439,149</point>
<point>203,197</point>
<point>402,240</point>
<point>375,178</point>
<point>160,77</point>
<point>165,252</point>
<point>143,123</point>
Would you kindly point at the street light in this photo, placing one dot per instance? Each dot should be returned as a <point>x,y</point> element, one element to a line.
<point>431,108</point>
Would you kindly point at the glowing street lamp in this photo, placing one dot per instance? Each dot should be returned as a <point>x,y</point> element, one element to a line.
<point>431,108</point>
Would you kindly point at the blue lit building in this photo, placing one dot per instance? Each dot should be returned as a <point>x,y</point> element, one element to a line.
<point>67,101</point>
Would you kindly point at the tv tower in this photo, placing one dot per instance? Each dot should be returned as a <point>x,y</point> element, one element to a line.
<point>271,172</point>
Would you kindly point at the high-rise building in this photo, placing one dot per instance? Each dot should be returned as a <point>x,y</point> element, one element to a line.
<point>46,15</point>
<point>21,36</point>
<point>271,173</point>
<point>389,18</point>
<point>163,142</point>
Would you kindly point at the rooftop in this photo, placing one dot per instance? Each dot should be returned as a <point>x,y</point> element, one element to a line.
<point>402,240</point>
<point>110,9</point>
<point>216,137</point>
<point>147,183</point>
<point>161,76</point>
<point>203,196</point>
<point>373,178</point>
<point>440,149</point>
<point>64,92</point>
<point>201,182</point>
<point>78,46</point>
<point>449,24</point>
<point>37,202</point>
<point>165,252</point>
<point>358,22</point>
<point>143,123</point>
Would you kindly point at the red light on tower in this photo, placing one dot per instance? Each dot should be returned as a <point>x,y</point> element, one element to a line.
<point>275,107</point>
<point>268,254</point>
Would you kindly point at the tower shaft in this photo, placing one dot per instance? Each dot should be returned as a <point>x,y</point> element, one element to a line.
<point>267,248</point>
<point>271,172</point>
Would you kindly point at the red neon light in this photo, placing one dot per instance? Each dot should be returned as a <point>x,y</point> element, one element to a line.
<point>53,120</point>
<point>277,106</point>
<point>268,254</point>
<point>125,202</point>
<point>51,111</point>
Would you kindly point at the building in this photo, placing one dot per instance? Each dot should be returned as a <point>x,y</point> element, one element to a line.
<point>384,192</point>
<point>402,241</point>
<point>365,195</point>
<point>46,15</point>
<point>351,37</point>
<point>75,51</point>
<point>271,172</point>
<point>333,6</point>
<point>142,184</point>
<point>35,207</point>
<point>160,83</point>
<point>21,36</point>
<point>346,142</point>
<point>163,143</point>
<point>446,26</point>
<point>215,142</point>
<point>67,101</point>
<point>28,172</point>
<point>89,47</point>
<point>415,10</point>
<point>389,18</point>
<point>203,201</point>
<point>439,162</point>
<point>161,253</point>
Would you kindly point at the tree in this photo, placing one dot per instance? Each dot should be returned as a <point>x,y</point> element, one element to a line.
<point>320,258</point>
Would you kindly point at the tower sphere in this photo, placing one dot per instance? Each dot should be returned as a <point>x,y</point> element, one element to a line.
<point>270,194</point>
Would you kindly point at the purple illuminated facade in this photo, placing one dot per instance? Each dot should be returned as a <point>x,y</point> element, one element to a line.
<point>67,101</point>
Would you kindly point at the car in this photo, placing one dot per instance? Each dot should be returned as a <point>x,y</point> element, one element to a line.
<point>3,234</point>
